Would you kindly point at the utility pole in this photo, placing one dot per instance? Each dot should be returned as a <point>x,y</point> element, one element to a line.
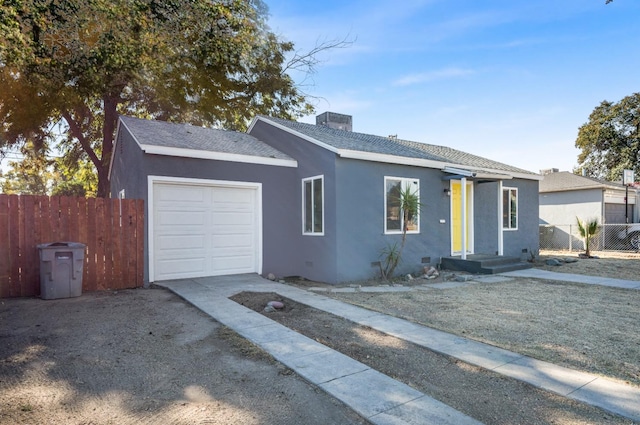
<point>627,179</point>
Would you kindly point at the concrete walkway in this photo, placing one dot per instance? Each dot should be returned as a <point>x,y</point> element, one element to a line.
<point>375,396</point>
<point>575,278</point>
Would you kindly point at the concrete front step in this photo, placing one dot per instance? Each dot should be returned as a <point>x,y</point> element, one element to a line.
<point>504,268</point>
<point>484,264</point>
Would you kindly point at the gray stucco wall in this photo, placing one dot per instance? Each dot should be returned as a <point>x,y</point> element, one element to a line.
<point>278,184</point>
<point>485,223</point>
<point>360,208</point>
<point>313,257</point>
<point>561,208</point>
<point>527,237</point>
<point>126,172</point>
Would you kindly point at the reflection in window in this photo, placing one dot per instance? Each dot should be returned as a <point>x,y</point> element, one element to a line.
<point>510,208</point>
<point>394,216</point>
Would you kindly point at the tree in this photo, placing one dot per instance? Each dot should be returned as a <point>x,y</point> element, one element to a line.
<point>29,176</point>
<point>587,229</point>
<point>73,177</point>
<point>409,202</point>
<point>610,140</point>
<point>80,63</point>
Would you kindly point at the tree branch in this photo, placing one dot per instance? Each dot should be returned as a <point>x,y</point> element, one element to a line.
<point>307,62</point>
<point>76,131</point>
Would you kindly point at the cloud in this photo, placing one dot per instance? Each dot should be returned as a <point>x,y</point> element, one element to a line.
<point>425,77</point>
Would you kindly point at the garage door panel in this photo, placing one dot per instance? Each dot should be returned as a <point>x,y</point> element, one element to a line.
<point>180,242</point>
<point>184,218</point>
<point>182,268</point>
<point>204,230</point>
<point>230,195</point>
<point>233,206</point>
<point>232,230</point>
<point>176,194</point>
<point>233,218</point>
<point>231,241</point>
<point>182,229</point>
<point>233,265</point>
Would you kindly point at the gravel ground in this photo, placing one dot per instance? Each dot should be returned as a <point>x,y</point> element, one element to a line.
<point>143,357</point>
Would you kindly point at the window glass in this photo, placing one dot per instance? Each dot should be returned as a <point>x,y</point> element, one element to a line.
<point>317,205</point>
<point>393,204</point>
<point>510,208</point>
<point>313,208</point>
<point>308,202</point>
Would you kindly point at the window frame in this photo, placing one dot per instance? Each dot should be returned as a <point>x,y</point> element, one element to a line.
<point>312,181</point>
<point>403,182</point>
<point>507,210</point>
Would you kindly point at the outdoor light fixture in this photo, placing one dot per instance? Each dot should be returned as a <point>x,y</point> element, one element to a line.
<point>447,192</point>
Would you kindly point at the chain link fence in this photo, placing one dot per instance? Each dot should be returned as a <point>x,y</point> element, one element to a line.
<point>608,237</point>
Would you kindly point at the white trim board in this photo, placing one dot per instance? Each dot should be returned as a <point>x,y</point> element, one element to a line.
<point>219,156</point>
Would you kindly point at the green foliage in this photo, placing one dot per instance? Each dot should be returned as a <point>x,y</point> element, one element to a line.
<point>390,256</point>
<point>74,177</point>
<point>30,176</point>
<point>587,229</point>
<point>410,209</point>
<point>81,63</point>
<point>610,141</point>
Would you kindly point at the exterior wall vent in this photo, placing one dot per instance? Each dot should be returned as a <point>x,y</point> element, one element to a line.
<point>335,120</point>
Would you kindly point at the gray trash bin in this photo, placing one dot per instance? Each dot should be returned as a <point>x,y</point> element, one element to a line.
<point>61,265</point>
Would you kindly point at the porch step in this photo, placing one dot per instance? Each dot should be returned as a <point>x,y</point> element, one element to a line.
<point>484,264</point>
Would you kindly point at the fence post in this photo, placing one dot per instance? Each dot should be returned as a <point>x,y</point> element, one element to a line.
<point>570,238</point>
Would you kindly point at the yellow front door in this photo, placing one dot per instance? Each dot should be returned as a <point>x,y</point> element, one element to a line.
<point>457,217</point>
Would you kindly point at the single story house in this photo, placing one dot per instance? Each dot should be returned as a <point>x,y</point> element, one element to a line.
<point>316,201</point>
<point>565,196</point>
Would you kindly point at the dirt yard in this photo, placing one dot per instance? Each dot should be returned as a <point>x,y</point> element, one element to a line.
<point>481,394</point>
<point>586,327</point>
<point>143,357</point>
<point>619,265</point>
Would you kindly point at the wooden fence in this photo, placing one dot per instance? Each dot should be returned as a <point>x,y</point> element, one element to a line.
<point>112,229</point>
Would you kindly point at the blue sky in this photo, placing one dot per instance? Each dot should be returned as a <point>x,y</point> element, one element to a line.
<point>508,80</point>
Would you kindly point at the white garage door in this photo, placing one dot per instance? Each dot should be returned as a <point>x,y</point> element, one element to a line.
<point>204,230</point>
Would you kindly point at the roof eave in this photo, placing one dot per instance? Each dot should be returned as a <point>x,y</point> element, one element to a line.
<point>114,150</point>
<point>599,187</point>
<point>427,163</point>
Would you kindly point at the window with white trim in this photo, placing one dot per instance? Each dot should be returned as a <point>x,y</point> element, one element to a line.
<point>393,214</point>
<point>510,208</point>
<point>313,205</point>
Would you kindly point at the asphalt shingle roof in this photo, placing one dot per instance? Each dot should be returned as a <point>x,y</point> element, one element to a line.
<point>186,136</point>
<point>348,140</point>
<point>564,180</point>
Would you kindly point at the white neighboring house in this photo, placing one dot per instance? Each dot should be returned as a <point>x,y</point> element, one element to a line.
<point>564,196</point>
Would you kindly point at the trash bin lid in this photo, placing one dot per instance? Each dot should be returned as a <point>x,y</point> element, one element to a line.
<point>54,245</point>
